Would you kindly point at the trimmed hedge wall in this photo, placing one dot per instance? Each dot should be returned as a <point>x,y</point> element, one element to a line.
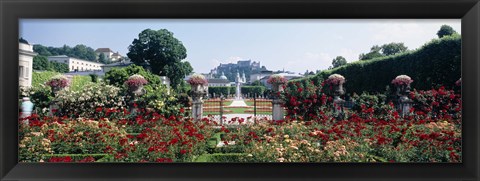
<point>435,63</point>
<point>252,90</point>
<point>218,90</point>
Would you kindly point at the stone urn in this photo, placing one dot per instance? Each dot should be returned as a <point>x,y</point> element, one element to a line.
<point>137,90</point>
<point>56,89</point>
<point>199,91</point>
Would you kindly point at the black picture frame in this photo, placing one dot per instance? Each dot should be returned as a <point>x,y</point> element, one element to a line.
<point>12,10</point>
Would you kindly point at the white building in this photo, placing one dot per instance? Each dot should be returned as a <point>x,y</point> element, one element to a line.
<point>109,54</point>
<point>75,64</point>
<point>222,81</point>
<point>25,64</point>
<point>258,76</point>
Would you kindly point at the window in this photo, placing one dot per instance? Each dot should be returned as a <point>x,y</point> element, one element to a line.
<point>26,72</point>
<point>73,61</point>
<point>20,71</point>
<point>65,61</point>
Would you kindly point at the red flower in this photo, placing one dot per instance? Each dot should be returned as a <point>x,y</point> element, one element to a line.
<point>183,151</point>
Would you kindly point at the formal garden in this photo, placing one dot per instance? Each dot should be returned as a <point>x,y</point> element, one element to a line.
<point>401,108</point>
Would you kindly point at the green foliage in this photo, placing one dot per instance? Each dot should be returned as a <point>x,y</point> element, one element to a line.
<point>103,59</point>
<point>253,90</point>
<point>339,61</point>
<point>79,51</point>
<point>118,76</point>
<point>221,157</point>
<point>156,98</point>
<point>393,48</point>
<point>221,90</point>
<point>42,63</point>
<point>436,63</point>
<point>40,78</point>
<point>163,52</point>
<point>257,83</point>
<point>78,82</point>
<point>445,30</point>
<point>83,102</point>
<point>374,53</point>
<point>94,77</point>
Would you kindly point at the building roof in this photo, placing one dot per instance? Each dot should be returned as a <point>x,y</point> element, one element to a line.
<point>218,81</point>
<point>116,54</point>
<point>58,56</point>
<point>103,50</point>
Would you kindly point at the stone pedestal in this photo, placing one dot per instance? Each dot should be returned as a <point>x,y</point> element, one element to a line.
<point>197,110</point>
<point>404,103</point>
<point>277,110</point>
<point>198,92</point>
<point>338,102</point>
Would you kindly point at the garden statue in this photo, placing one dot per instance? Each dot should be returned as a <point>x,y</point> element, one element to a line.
<point>135,85</point>
<point>278,82</point>
<point>336,81</point>
<point>27,108</point>
<point>56,83</point>
<point>199,90</point>
<point>402,82</point>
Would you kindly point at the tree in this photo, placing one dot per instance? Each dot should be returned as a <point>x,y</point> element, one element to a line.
<point>339,61</point>
<point>41,63</point>
<point>177,72</point>
<point>374,53</point>
<point>163,52</point>
<point>103,59</point>
<point>393,48</point>
<point>445,30</point>
<point>84,52</point>
<point>257,83</point>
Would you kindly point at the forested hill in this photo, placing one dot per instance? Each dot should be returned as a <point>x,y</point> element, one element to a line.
<point>78,51</point>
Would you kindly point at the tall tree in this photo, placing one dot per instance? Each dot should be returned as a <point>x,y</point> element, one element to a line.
<point>41,63</point>
<point>163,52</point>
<point>393,48</point>
<point>374,53</point>
<point>103,59</point>
<point>445,30</point>
<point>338,61</point>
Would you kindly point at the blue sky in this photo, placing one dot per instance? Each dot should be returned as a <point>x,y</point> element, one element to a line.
<point>295,45</point>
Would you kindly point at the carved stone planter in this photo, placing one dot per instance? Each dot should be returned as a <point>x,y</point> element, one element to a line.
<point>198,92</point>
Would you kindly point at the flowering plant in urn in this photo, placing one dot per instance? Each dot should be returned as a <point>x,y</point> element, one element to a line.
<point>276,79</point>
<point>58,82</point>
<point>335,79</point>
<point>199,86</point>
<point>135,81</point>
<point>402,80</point>
<point>197,79</point>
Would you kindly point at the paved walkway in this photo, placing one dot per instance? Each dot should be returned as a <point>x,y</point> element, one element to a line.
<point>238,103</point>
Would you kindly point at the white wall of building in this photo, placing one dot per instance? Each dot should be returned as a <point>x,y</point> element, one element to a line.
<point>76,64</point>
<point>25,64</point>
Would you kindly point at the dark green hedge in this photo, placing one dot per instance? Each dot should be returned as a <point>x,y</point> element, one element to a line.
<point>436,63</point>
<point>252,90</point>
<point>219,90</point>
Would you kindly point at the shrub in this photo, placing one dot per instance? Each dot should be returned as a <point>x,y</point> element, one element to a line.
<point>84,102</point>
<point>54,135</point>
<point>220,90</point>
<point>118,76</point>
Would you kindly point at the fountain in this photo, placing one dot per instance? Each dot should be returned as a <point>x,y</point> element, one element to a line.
<point>238,82</point>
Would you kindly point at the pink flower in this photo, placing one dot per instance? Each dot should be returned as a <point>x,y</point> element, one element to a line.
<point>402,80</point>
<point>197,79</point>
<point>276,79</point>
<point>136,81</point>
